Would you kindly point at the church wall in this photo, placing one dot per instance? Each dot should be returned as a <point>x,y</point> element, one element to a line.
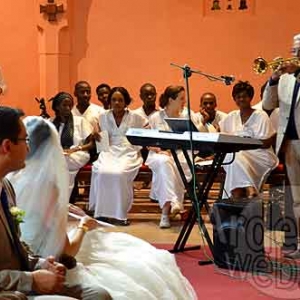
<point>19,54</point>
<point>134,41</point>
<point>129,42</point>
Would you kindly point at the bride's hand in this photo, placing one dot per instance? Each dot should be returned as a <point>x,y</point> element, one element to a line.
<point>89,222</point>
<point>68,152</point>
<point>76,210</point>
<point>53,266</point>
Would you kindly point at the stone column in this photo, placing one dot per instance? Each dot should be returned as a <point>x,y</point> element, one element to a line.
<point>53,46</point>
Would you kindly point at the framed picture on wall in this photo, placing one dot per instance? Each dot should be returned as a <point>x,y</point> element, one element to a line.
<point>224,7</point>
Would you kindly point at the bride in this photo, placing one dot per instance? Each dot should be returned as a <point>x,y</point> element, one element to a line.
<point>127,267</point>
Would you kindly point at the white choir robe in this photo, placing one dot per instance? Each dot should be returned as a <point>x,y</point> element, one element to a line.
<point>78,159</point>
<point>140,111</point>
<point>249,167</point>
<point>168,185</point>
<point>111,193</point>
<point>91,114</point>
<point>211,127</point>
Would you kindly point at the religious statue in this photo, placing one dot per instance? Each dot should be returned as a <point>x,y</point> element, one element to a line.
<point>43,108</point>
<point>216,5</point>
<point>243,5</point>
<point>229,5</point>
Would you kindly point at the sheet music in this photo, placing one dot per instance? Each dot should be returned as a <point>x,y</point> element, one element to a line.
<point>204,162</point>
<point>103,145</point>
<point>104,224</point>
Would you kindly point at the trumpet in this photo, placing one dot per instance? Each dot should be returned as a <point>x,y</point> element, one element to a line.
<point>260,65</point>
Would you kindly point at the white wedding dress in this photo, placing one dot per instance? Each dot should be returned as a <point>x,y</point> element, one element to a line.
<point>127,267</point>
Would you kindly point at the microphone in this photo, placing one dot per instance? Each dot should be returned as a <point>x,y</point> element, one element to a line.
<point>228,80</point>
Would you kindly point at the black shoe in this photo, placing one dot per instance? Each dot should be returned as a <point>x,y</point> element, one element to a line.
<point>153,200</point>
<point>121,222</point>
<point>103,219</point>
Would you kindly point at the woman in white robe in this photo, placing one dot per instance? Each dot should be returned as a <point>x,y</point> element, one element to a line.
<point>246,174</point>
<point>75,134</point>
<point>168,187</point>
<point>111,192</point>
<point>127,267</point>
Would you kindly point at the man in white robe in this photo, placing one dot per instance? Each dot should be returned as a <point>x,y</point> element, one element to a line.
<point>148,96</point>
<point>283,91</point>
<point>208,115</point>
<point>102,92</point>
<point>90,111</point>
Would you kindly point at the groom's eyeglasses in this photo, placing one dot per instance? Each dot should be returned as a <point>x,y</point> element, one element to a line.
<point>26,140</point>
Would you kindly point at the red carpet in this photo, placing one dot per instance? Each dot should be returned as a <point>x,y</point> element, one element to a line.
<point>213,283</point>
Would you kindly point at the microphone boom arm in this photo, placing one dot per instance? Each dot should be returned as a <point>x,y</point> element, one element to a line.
<point>188,72</point>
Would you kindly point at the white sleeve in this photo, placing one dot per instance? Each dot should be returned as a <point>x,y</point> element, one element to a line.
<point>270,98</point>
<point>223,123</point>
<point>266,128</point>
<point>86,128</point>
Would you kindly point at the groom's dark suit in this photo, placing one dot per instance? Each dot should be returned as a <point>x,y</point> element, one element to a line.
<point>16,264</point>
<point>11,260</point>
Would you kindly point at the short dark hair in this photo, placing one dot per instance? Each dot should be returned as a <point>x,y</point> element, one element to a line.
<point>121,90</point>
<point>101,86</point>
<point>58,99</point>
<point>77,84</point>
<point>145,85</point>
<point>243,86</point>
<point>9,123</point>
<point>210,94</point>
<point>172,92</point>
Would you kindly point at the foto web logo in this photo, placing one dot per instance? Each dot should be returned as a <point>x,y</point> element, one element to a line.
<point>281,283</point>
<point>279,280</point>
<point>249,249</point>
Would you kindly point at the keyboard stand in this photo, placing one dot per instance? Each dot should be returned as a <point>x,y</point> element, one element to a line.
<point>199,198</point>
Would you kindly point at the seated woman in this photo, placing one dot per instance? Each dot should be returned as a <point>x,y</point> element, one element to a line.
<point>127,267</point>
<point>111,193</point>
<point>75,135</point>
<point>249,169</point>
<point>168,187</point>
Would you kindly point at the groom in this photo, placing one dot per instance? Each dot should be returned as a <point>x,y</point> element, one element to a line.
<point>21,274</point>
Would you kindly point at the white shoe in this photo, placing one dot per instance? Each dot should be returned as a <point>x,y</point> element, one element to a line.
<point>175,209</point>
<point>164,222</point>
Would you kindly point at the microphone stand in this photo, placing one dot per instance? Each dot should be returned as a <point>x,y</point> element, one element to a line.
<point>187,73</point>
<point>180,243</point>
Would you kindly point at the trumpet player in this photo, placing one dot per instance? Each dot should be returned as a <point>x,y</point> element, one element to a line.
<point>282,91</point>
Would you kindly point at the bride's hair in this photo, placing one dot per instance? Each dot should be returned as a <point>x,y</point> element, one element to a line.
<point>39,133</point>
